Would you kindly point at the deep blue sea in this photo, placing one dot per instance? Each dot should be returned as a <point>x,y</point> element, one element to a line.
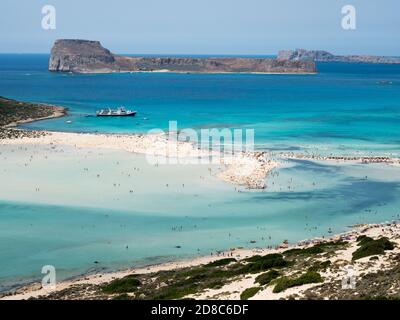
<point>346,106</point>
<point>79,218</point>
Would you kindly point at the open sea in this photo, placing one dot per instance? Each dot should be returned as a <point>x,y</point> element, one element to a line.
<point>345,109</point>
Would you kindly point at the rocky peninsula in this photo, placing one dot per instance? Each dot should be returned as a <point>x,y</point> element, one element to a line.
<point>325,56</point>
<point>84,56</point>
<point>13,113</point>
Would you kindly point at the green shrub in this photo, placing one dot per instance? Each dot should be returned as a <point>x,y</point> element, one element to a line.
<point>331,244</point>
<point>180,283</point>
<point>363,239</point>
<point>185,282</point>
<point>305,251</point>
<point>267,257</point>
<point>261,263</point>
<point>286,282</point>
<point>282,284</point>
<point>371,247</point>
<point>174,292</point>
<point>316,249</point>
<point>249,292</point>
<point>123,285</point>
<point>320,265</point>
<point>359,238</point>
<point>221,262</point>
<point>267,277</point>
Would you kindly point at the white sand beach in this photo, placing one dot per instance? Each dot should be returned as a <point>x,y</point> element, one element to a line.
<point>248,169</point>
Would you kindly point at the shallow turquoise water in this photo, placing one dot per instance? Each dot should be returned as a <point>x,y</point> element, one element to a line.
<point>95,221</point>
<point>76,219</point>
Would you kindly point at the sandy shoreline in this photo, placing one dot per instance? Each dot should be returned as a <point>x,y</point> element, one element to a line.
<point>391,230</point>
<point>107,71</point>
<point>248,169</point>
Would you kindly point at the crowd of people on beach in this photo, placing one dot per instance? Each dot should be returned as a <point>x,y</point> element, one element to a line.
<point>362,159</point>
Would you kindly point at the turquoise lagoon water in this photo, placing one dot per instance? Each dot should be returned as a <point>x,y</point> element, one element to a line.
<point>77,218</point>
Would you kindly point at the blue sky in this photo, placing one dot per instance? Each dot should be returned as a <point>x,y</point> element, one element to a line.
<point>204,26</point>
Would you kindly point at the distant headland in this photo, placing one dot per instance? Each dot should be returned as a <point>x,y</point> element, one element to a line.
<point>84,56</point>
<point>325,56</point>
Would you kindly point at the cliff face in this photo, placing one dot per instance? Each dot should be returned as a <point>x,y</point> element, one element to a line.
<point>80,56</point>
<point>83,56</point>
<point>302,55</point>
<point>324,56</point>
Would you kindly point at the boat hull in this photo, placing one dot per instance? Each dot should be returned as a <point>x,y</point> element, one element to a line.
<point>117,115</point>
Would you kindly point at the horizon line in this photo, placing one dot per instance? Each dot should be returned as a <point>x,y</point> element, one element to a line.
<point>214,54</point>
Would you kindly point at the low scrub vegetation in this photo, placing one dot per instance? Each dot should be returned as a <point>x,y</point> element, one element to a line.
<point>284,283</point>
<point>320,265</point>
<point>371,247</point>
<point>127,284</point>
<point>260,263</point>
<point>249,292</point>
<point>316,249</point>
<point>221,262</point>
<point>267,277</point>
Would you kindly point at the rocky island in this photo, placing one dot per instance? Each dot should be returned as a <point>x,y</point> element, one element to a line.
<point>84,56</point>
<point>325,56</point>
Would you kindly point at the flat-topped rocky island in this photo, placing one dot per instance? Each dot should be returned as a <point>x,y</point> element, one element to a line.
<point>84,56</point>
